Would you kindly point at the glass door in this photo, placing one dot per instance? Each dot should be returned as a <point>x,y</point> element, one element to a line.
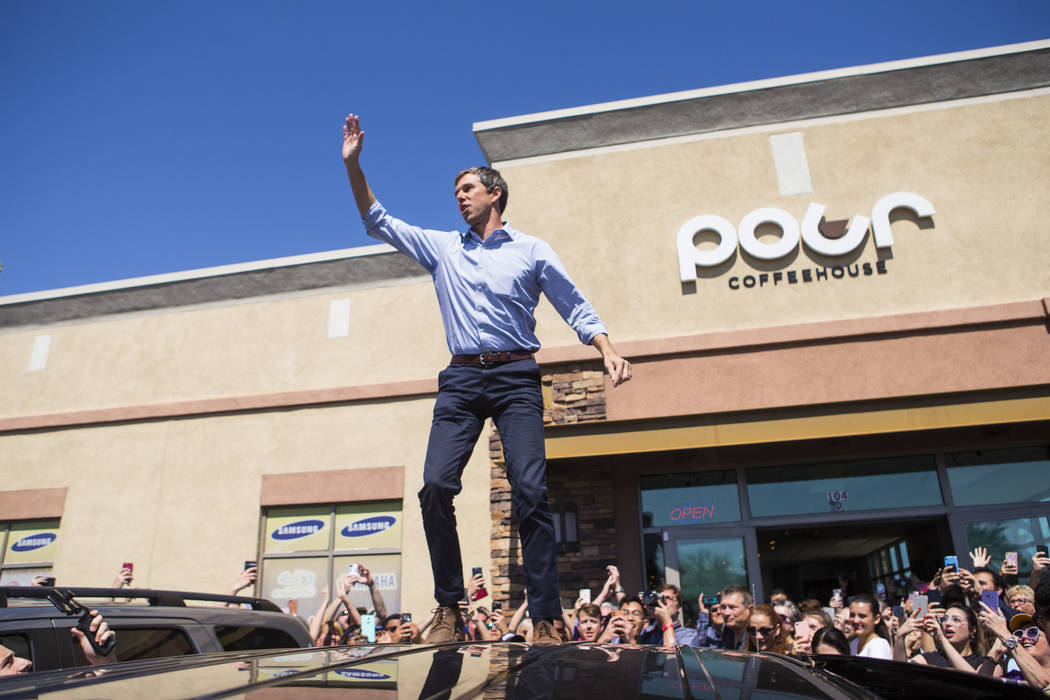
<point>704,560</point>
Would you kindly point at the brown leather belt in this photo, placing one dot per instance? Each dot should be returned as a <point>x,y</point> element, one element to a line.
<point>489,359</point>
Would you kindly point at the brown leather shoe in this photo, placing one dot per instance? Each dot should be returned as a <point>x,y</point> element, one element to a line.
<point>447,625</point>
<point>543,632</point>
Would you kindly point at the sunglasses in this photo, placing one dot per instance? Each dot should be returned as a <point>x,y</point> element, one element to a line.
<point>766,631</point>
<point>1031,632</point>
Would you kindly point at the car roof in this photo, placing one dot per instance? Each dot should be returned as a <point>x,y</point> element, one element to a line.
<point>501,669</point>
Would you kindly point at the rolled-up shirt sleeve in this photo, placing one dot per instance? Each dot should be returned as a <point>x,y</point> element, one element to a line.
<point>565,297</point>
<point>417,243</point>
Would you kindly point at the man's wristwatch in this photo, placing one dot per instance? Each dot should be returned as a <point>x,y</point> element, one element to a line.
<point>1010,643</point>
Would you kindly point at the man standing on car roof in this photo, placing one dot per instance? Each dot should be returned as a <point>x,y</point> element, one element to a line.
<point>488,280</point>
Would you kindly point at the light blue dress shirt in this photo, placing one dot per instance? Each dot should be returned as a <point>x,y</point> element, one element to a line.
<point>487,291</point>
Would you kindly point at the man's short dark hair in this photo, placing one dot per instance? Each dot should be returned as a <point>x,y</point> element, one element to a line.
<point>741,591</point>
<point>491,179</point>
<point>996,578</point>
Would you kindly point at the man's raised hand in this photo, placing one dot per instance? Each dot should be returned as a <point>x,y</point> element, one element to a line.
<point>353,137</point>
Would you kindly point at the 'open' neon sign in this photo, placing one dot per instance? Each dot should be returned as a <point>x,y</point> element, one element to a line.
<point>693,511</point>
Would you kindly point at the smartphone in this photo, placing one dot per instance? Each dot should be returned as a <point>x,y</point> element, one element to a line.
<point>898,612</point>
<point>991,599</point>
<point>250,564</point>
<point>801,628</point>
<point>406,618</point>
<point>368,628</point>
<point>130,566</point>
<point>880,590</point>
<point>49,581</point>
<point>481,592</point>
<point>497,605</point>
<point>951,563</point>
<point>585,595</point>
<point>1041,550</point>
<point>353,569</point>
<point>921,606</point>
<point>1011,559</point>
<point>710,600</point>
<point>934,596</point>
<point>293,606</point>
<point>836,595</point>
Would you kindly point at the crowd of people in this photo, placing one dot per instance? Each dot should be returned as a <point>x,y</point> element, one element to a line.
<point>947,622</point>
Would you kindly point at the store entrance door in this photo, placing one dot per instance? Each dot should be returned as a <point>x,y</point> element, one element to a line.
<point>811,561</point>
<point>706,560</point>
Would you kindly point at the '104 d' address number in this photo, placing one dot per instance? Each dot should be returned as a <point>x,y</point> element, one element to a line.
<point>837,499</point>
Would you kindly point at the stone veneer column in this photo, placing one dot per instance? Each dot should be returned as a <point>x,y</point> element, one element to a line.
<point>571,394</point>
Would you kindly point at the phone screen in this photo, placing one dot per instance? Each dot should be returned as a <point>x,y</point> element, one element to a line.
<point>585,595</point>
<point>951,563</point>
<point>1041,550</point>
<point>368,627</point>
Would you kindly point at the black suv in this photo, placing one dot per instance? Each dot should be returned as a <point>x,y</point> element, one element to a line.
<point>149,624</point>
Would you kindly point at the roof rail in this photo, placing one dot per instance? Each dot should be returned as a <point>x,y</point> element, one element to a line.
<point>153,596</point>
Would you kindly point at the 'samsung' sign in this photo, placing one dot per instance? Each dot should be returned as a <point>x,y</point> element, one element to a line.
<point>743,236</point>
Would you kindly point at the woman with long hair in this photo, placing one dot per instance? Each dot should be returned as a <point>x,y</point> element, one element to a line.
<point>872,637</point>
<point>764,631</point>
<point>960,644</point>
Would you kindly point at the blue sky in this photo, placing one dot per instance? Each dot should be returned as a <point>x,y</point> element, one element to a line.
<point>141,138</point>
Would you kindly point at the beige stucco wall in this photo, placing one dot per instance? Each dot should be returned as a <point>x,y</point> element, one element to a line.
<point>181,498</point>
<point>613,216</point>
<point>237,349</point>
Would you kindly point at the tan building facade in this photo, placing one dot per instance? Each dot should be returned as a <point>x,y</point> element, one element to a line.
<point>849,392</point>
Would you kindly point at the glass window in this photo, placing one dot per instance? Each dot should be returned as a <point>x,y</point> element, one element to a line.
<point>19,645</point>
<point>386,572</point>
<point>248,638</point>
<point>296,584</point>
<point>307,548</point>
<point>28,550</point>
<point>985,477</point>
<point>137,643</point>
<point>871,484</point>
<point>695,498</point>
<point>708,566</point>
<point>1020,535</point>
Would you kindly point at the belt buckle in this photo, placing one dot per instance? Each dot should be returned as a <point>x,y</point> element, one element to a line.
<point>486,359</point>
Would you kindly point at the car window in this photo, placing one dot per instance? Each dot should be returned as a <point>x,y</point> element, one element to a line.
<point>18,643</point>
<point>137,643</point>
<point>247,638</point>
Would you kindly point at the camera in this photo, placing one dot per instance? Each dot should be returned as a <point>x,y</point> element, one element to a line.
<point>652,598</point>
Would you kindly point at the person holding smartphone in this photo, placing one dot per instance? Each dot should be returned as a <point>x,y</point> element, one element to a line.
<point>488,280</point>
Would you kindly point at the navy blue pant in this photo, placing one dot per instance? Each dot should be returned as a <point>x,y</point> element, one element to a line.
<point>510,394</point>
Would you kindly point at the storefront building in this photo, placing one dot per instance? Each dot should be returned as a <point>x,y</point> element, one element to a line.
<point>834,289</point>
